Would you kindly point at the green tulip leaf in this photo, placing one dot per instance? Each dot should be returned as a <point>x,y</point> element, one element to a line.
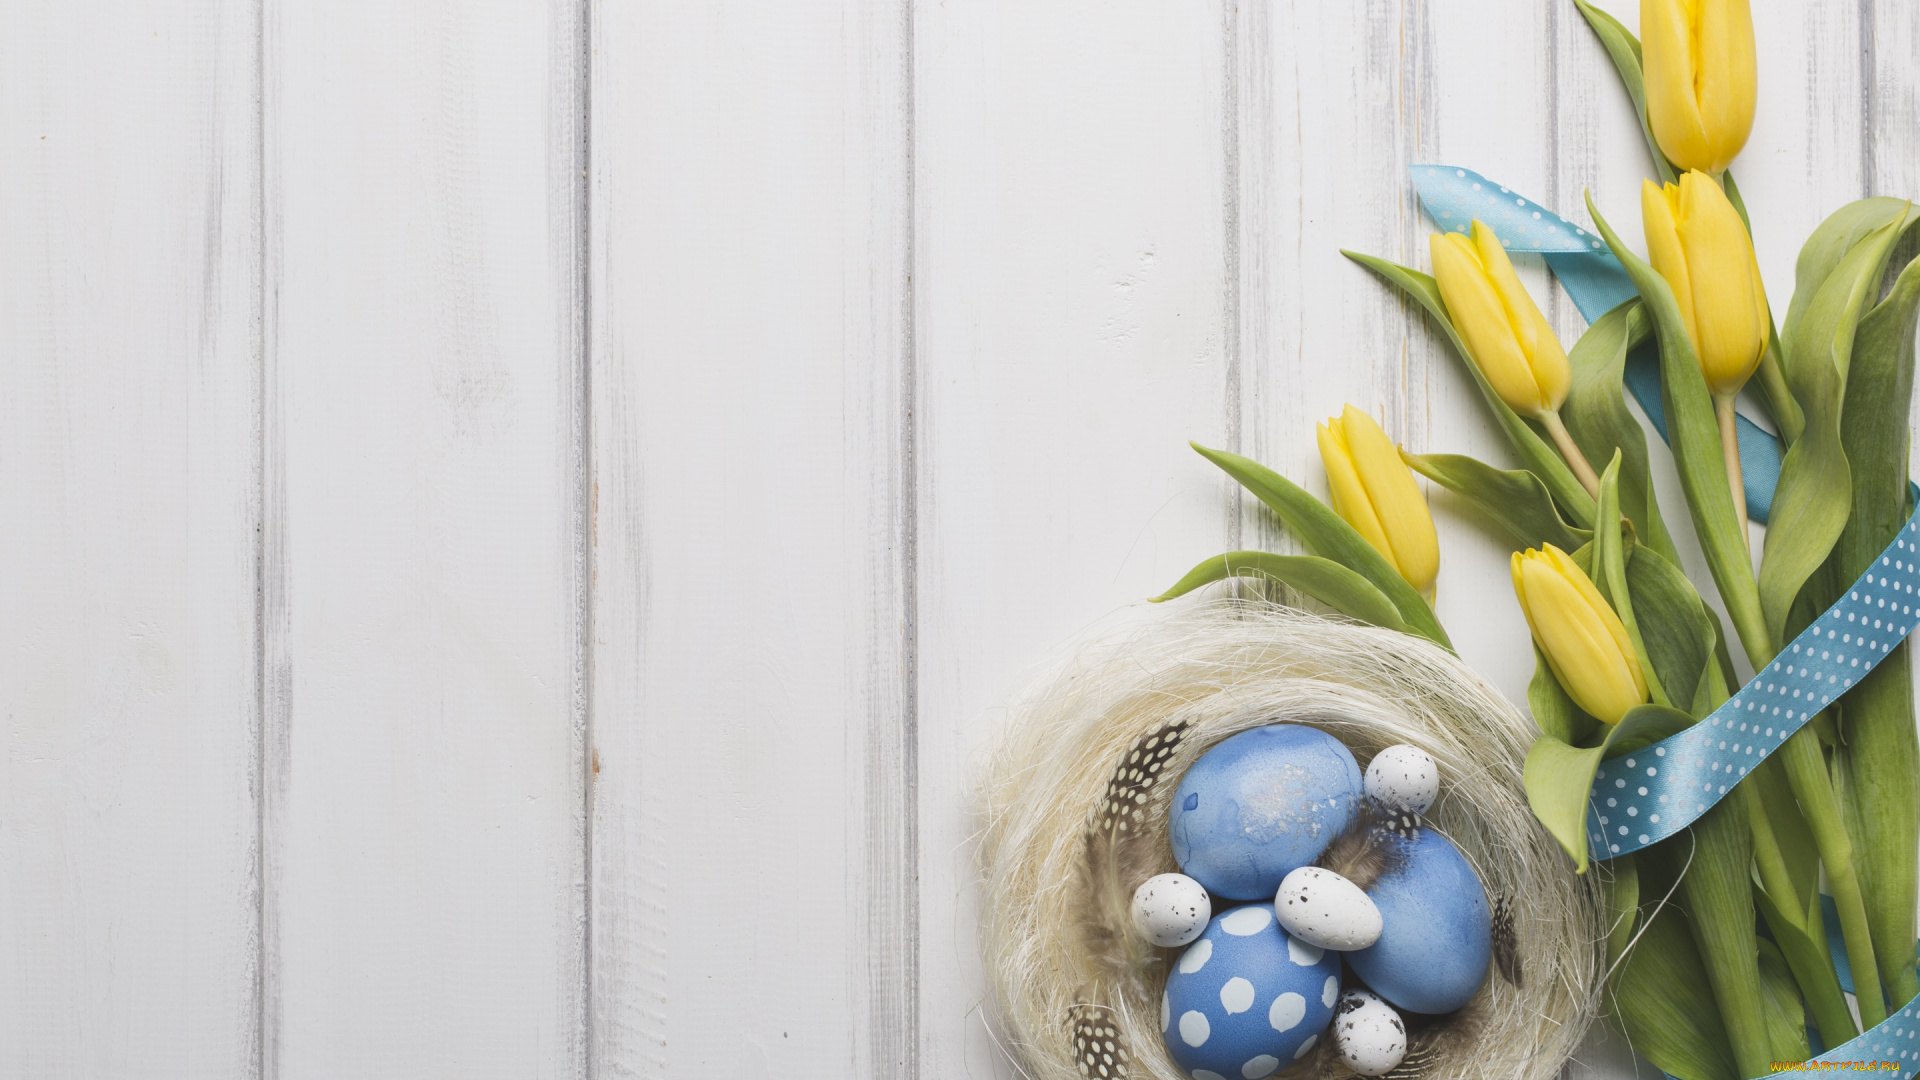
<point>1791,833</point>
<point>1811,504</point>
<point>1677,630</point>
<point>1538,455</point>
<point>1554,711</point>
<point>1643,726</point>
<point>1664,1001</point>
<point>1786,1019</point>
<point>1610,547</point>
<point>1331,537</point>
<point>1620,897</point>
<point>1809,510</point>
<point>1597,417</point>
<point>1694,436</point>
<point>1717,890</point>
<point>1803,946</point>
<point>1624,49</point>
<point>1323,579</point>
<point>1559,777</point>
<point>1829,244</point>
<point>1515,499</point>
<point>1884,763</point>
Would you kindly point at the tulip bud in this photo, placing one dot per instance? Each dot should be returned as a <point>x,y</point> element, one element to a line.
<point>1584,641</point>
<point>1510,340</point>
<point>1696,240</point>
<point>1374,491</point>
<point>1697,58</point>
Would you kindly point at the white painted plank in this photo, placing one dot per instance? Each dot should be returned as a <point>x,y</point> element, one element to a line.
<point>424,874</point>
<point>1074,332</point>
<point>1805,158</point>
<point>1354,95</point>
<point>753,867</point>
<point>128,282</point>
<point>1891,38</point>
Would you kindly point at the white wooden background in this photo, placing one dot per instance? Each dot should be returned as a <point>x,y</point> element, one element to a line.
<point>516,515</point>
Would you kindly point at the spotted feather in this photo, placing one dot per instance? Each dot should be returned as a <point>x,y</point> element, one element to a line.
<point>1098,1047</point>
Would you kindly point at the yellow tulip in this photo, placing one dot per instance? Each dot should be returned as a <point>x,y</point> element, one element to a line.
<point>1510,340</point>
<point>1507,337</point>
<point>1584,641</point>
<point>1697,58</point>
<point>1696,240</point>
<point>1374,491</point>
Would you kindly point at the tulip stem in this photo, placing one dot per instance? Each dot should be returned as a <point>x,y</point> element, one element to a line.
<point>1576,460</point>
<point>1730,451</point>
<point>1813,789</point>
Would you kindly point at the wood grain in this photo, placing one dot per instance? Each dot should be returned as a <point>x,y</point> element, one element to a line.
<point>754,712</point>
<point>1890,143</point>
<point>128,281</point>
<point>1072,237</point>
<point>425,871</point>
<point>522,517</point>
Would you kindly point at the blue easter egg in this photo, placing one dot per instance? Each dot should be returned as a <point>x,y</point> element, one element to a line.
<point>1260,805</point>
<point>1436,932</point>
<point>1246,1000</point>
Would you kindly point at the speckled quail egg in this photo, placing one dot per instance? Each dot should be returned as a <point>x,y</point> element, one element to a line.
<point>1246,1000</point>
<point>1171,909</point>
<point>1371,1037</point>
<point>1403,779</point>
<point>1260,804</point>
<point>1323,908</point>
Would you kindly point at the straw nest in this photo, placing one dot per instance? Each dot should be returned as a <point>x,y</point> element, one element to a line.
<point>1074,818</point>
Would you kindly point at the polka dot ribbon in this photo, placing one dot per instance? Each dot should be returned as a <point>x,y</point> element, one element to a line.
<point>1595,281</point>
<point>1646,796</point>
<point>1650,794</point>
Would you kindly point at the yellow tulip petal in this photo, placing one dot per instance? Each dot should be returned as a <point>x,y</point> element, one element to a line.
<point>1349,494</point>
<point>1727,331</point>
<point>1658,209</point>
<point>1725,78</point>
<point>1668,55</point>
<point>1395,498</point>
<point>1480,316</point>
<point>1603,611</point>
<point>1546,360</point>
<point>1577,644</point>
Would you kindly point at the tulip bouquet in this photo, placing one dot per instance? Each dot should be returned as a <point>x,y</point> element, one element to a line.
<point>1724,950</point>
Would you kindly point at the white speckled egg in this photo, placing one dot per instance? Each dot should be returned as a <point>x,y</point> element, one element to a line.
<point>1171,909</point>
<point>1403,779</point>
<point>1322,908</point>
<point>1371,1037</point>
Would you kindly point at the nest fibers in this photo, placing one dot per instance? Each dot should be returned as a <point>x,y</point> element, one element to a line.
<point>1075,809</point>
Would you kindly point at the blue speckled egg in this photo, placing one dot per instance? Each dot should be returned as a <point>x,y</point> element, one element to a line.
<point>1260,805</point>
<point>1246,1000</point>
<point>1436,931</point>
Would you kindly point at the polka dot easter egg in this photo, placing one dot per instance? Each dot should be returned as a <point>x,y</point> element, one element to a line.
<point>1403,779</point>
<point>1259,805</point>
<point>1171,909</point>
<point>1246,1000</point>
<point>1436,936</point>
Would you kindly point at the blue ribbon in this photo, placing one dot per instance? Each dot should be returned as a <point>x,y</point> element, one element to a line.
<point>1647,796</point>
<point>1596,282</point>
<point>1651,794</point>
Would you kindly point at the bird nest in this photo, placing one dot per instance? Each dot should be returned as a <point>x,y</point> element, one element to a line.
<point>1074,809</point>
